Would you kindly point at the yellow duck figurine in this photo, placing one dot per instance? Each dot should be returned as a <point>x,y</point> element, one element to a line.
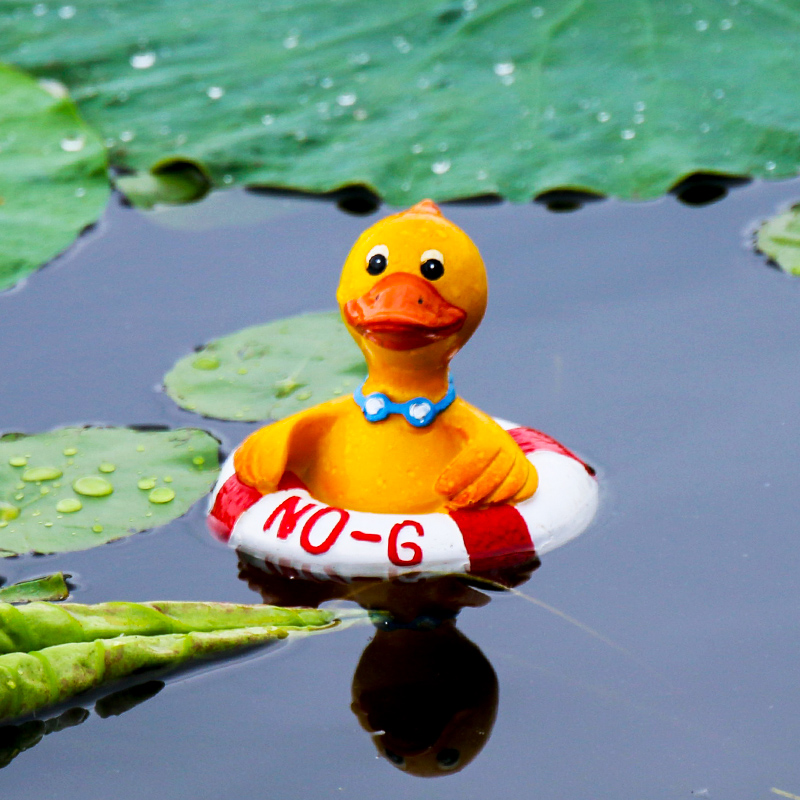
<point>412,291</point>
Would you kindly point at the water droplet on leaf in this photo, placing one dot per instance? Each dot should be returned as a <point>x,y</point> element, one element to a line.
<point>106,466</point>
<point>93,486</point>
<point>8,511</point>
<point>440,167</point>
<point>143,60</point>
<point>146,484</point>
<point>161,495</point>
<point>69,505</point>
<point>73,145</point>
<point>18,461</point>
<point>41,474</point>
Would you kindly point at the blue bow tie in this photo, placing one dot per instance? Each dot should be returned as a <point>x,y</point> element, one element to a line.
<point>419,411</point>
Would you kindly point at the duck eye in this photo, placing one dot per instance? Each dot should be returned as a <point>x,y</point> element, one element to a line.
<point>396,759</point>
<point>448,758</point>
<point>432,266</point>
<point>377,259</point>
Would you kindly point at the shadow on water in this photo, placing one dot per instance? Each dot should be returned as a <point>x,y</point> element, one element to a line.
<point>423,690</point>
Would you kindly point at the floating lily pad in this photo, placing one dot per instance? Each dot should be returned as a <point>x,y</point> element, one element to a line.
<point>52,174</point>
<point>269,371</point>
<point>50,587</point>
<point>58,491</point>
<point>779,239</point>
<point>441,99</point>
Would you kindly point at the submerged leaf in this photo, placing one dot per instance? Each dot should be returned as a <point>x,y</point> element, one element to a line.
<point>779,239</point>
<point>171,182</point>
<point>51,587</point>
<point>52,653</point>
<point>419,99</point>
<point>76,488</point>
<point>52,175</point>
<point>269,371</point>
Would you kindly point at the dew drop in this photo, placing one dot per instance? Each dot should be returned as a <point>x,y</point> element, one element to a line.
<point>304,395</point>
<point>603,116</point>
<point>145,484</point>
<point>143,60</point>
<point>140,448</point>
<point>74,145</point>
<point>80,192</point>
<point>97,528</point>
<point>326,83</point>
<point>503,68</point>
<point>36,514</point>
<point>44,490</point>
<point>198,461</point>
<point>718,94</point>
<point>161,495</point>
<point>628,133</point>
<point>701,25</point>
<point>482,175</point>
<point>267,119</point>
<point>770,165</point>
<point>291,41</point>
<point>537,12</point>
<point>360,114</point>
<point>215,92</point>
<point>725,24</point>
<point>19,496</point>
<point>127,136</point>
<point>41,474</point>
<point>704,127</point>
<point>48,524</point>
<point>69,505</point>
<point>39,10</point>
<point>8,511</point>
<point>440,167</point>
<point>401,43</point>
<point>638,119</point>
<point>348,99</point>
<point>107,467</point>
<point>417,148</point>
<point>168,479</point>
<point>18,461</point>
<point>359,59</point>
<point>93,486</point>
<point>66,12</point>
<point>639,106</point>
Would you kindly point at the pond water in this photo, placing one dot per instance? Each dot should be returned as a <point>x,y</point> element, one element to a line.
<point>647,337</point>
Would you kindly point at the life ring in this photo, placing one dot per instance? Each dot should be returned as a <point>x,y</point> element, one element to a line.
<point>292,532</point>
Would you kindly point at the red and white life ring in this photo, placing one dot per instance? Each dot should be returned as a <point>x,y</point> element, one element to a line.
<point>295,533</point>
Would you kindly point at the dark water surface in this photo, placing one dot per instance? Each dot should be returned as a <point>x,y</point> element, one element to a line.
<point>647,337</point>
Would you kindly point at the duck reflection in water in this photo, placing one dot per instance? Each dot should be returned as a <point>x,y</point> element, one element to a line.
<point>425,692</point>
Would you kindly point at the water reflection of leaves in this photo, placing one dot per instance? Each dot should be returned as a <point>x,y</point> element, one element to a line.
<point>16,739</point>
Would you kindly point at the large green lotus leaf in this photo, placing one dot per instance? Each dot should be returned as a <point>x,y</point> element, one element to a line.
<point>52,174</point>
<point>422,98</point>
<point>779,239</point>
<point>76,488</point>
<point>269,371</point>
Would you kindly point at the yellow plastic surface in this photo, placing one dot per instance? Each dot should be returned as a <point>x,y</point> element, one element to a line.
<point>463,458</point>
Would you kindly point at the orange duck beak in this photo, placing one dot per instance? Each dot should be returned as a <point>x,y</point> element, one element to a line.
<point>403,312</point>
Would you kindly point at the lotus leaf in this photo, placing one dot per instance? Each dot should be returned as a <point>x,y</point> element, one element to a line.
<point>269,371</point>
<point>76,488</point>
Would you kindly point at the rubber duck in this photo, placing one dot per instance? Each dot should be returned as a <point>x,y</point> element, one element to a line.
<point>412,291</point>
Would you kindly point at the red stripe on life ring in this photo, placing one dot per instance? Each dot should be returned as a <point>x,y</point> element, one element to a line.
<point>233,499</point>
<point>495,537</point>
<point>530,439</point>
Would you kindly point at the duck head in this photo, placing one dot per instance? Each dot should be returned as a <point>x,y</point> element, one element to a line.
<point>412,291</point>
